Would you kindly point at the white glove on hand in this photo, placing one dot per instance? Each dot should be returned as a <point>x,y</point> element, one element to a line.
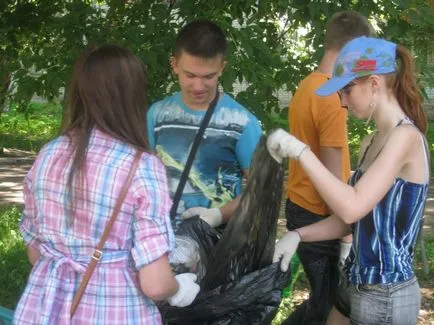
<point>345,251</point>
<point>187,291</point>
<point>281,145</point>
<point>285,248</point>
<point>213,216</point>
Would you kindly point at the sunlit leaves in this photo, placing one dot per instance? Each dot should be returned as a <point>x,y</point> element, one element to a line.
<point>273,44</point>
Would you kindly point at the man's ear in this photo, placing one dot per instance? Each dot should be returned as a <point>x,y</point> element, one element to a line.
<point>174,64</point>
<point>222,68</point>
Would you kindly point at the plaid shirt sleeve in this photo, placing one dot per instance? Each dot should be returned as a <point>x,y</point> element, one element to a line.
<point>28,225</point>
<point>152,232</point>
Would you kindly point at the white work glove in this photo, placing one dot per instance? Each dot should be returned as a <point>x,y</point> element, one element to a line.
<point>285,248</point>
<point>187,291</point>
<point>281,145</point>
<point>212,216</point>
<point>344,252</point>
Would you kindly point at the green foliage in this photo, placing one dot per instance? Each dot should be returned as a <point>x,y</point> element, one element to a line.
<point>411,23</point>
<point>429,251</point>
<point>14,266</point>
<point>357,130</point>
<point>31,127</point>
<point>41,39</point>
<point>430,138</point>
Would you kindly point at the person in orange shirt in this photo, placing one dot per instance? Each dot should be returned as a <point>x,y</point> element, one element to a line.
<point>321,123</point>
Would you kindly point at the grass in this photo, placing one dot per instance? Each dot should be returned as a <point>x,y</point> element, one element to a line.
<point>14,266</point>
<point>29,131</point>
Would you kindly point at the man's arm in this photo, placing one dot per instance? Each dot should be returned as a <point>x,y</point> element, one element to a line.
<point>244,150</point>
<point>228,209</point>
<point>215,216</point>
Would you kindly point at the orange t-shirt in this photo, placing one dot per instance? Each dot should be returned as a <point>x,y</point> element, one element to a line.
<point>318,122</point>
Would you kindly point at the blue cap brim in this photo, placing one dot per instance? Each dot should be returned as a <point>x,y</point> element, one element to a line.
<point>333,85</point>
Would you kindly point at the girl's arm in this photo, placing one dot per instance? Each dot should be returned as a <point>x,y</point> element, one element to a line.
<point>157,280</point>
<point>33,254</point>
<point>327,229</point>
<point>352,203</point>
<point>158,283</point>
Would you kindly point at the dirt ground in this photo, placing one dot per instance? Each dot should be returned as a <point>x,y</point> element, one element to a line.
<point>14,165</point>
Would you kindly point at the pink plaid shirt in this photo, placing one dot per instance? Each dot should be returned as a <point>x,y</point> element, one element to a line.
<point>140,235</point>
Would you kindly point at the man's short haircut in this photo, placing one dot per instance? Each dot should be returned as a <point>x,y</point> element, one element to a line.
<point>344,26</point>
<point>201,38</point>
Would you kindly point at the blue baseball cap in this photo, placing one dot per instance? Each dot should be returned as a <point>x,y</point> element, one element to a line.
<point>362,56</point>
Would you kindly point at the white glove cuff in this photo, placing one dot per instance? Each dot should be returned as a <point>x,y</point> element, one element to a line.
<point>345,249</point>
<point>218,216</point>
<point>298,233</point>
<point>213,217</point>
<point>302,149</point>
<point>177,298</point>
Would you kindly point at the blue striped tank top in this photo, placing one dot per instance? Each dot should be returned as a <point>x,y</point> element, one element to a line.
<point>384,240</point>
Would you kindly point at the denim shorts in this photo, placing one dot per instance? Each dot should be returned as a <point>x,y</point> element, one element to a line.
<point>385,304</point>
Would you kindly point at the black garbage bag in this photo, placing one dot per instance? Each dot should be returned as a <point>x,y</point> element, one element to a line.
<point>253,299</point>
<point>205,240</point>
<point>239,285</point>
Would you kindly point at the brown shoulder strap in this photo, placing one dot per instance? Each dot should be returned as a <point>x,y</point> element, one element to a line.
<point>97,253</point>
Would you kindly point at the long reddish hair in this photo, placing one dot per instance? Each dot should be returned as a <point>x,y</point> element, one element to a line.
<point>405,89</point>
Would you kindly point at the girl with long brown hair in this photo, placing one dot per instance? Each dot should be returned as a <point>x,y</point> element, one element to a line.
<point>71,191</point>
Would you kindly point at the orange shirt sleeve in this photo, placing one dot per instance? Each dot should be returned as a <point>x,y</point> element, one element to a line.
<point>332,123</point>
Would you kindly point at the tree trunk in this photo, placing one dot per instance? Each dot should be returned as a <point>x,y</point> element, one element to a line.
<point>4,87</point>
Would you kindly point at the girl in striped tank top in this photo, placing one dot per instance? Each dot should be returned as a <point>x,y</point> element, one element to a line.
<point>383,204</point>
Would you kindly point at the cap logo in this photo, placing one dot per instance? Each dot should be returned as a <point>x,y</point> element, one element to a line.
<point>363,65</point>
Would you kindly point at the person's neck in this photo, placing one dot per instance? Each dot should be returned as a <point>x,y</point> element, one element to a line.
<point>327,62</point>
<point>387,115</point>
<point>198,107</point>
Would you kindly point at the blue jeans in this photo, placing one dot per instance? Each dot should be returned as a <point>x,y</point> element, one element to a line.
<point>320,264</point>
<point>385,304</point>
